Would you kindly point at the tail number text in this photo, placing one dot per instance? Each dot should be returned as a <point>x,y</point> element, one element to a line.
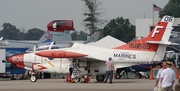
<point>139,46</point>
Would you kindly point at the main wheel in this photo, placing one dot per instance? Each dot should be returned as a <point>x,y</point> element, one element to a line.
<point>33,78</point>
<point>118,76</point>
<point>138,75</point>
<point>100,78</point>
<point>147,76</point>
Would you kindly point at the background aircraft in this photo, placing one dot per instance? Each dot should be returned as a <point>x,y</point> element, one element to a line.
<point>149,49</point>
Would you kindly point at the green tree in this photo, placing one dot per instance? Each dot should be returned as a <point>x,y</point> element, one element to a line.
<point>22,30</point>
<point>10,32</point>
<point>120,28</point>
<point>34,34</point>
<point>94,12</point>
<point>172,8</point>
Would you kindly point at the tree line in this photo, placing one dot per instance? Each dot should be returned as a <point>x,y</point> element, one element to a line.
<point>10,32</point>
<point>124,31</point>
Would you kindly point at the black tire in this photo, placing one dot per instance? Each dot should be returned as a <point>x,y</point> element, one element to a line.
<point>118,76</point>
<point>138,76</point>
<point>147,76</point>
<point>33,78</point>
<point>76,80</point>
<point>100,78</point>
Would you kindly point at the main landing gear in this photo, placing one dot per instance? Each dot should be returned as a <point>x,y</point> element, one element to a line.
<point>76,73</point>
<point>100,78</point>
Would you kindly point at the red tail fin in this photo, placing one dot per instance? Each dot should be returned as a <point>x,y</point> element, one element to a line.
<point>161,32</point>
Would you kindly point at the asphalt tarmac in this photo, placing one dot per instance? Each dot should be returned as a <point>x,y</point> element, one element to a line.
<point>60,85</point>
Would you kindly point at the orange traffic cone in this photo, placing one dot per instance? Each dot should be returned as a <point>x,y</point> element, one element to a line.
<point>151,73</point>
<point>177,73</point>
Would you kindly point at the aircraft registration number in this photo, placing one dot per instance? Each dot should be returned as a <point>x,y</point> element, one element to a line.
<point>139,46</point>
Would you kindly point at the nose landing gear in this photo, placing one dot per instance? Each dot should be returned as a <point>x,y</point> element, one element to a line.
<point>33,76</point>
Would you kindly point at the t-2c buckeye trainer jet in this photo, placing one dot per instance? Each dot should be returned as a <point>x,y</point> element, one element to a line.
<point>91,59</point>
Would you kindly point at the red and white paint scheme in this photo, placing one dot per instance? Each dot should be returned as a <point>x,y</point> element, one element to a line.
<point>18,60</point>
<point>92,59</point>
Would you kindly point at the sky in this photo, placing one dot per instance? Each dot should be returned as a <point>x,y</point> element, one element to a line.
<point>27,14</point>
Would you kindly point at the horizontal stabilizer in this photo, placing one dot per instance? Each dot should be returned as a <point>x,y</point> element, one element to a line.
<point>162,42</point>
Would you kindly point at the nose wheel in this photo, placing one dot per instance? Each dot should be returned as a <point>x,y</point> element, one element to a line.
<point>33,78</point>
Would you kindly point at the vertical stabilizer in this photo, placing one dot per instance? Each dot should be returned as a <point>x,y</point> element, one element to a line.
<point>58,30</point>
<point>156,41</point>
<point>159,35</point>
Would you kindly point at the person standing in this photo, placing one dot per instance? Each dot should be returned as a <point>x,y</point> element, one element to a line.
<point>109,70</point>
<point>157,84</point>
<point>71,67</point>
<point>168,77</point>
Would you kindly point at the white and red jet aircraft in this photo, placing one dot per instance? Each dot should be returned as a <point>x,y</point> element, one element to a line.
<point>92,58</point>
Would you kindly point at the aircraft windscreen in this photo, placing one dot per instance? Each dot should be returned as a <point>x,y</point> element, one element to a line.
<point>44,46</point>
<point>30,49</point>
<point>50,45</point>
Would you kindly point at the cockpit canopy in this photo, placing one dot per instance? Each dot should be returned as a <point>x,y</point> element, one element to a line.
<point>50,45</point>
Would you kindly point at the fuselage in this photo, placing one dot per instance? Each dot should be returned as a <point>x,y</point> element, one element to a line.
<point>121,58</point>
<point>95,59</point>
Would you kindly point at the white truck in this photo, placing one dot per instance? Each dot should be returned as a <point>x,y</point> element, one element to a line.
<point>2,61</point>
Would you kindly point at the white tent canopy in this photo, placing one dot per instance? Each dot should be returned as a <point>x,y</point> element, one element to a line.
<point>108,42</point>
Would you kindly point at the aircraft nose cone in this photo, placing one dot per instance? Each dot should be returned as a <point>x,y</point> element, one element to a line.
<point>19,58</point>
